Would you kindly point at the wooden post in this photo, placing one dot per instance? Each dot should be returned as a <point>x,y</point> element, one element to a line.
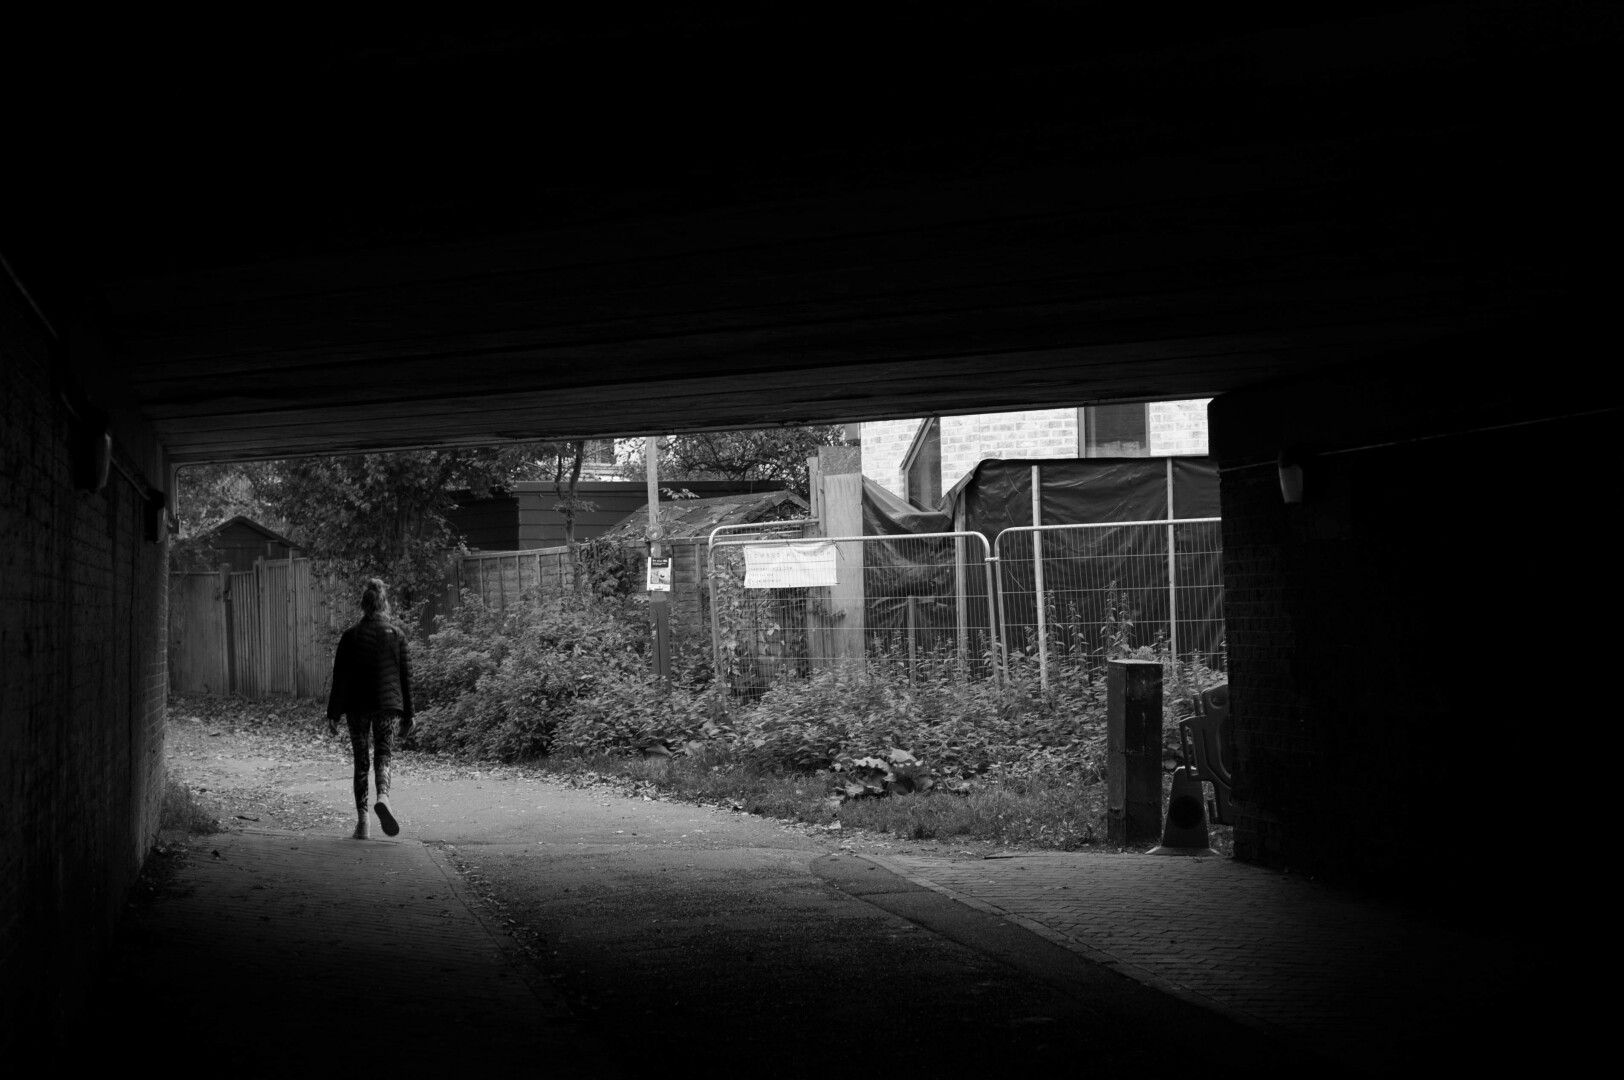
<point>1133,748</point>
<point>659,602</point>
<point>293,627</point>
<point>814,486</point>
<point>227,650</point>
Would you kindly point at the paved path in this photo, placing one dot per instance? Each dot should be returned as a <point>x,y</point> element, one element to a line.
<point>666,914</point>
<point>1350,978</point>
<point>275,951</point>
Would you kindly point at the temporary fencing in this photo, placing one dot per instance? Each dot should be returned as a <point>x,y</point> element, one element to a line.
<point>1064,598</point>
<point>1071,596</point>
<point>917,605</point>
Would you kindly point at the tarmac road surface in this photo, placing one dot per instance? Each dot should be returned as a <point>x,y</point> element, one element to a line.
<point>717,941</point>
<point>531,923</point>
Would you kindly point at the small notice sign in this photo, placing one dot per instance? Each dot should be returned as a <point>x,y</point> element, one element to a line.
<point>659,575</point>
<point>789,566</point>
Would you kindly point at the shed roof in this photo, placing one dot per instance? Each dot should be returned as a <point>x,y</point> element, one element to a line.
<point>242,519</point>
<point>684,519</point>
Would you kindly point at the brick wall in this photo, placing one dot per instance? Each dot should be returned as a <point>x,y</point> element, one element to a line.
<point>82,688</point>
<point>1177,428</point>
<point>1394,643</point>
<point>885,443</point>
<point>1034,433</point>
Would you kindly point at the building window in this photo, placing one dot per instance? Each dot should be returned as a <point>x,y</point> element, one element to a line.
<point>922,468</point>
<point>1114,431</point>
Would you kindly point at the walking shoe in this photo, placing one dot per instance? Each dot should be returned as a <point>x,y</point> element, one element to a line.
<point>390,826</point>
<point>362,832</point>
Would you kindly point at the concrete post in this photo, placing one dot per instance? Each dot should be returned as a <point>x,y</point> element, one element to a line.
<point>1133,745</point>
<point>840,505</point>
<point>843,516</point>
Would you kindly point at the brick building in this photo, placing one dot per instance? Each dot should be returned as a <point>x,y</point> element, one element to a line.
<point>920,459</point>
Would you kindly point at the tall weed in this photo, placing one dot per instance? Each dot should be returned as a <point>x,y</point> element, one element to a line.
<point>572,677</point>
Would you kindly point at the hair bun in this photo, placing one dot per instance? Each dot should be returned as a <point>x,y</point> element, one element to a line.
<point>373,596</point>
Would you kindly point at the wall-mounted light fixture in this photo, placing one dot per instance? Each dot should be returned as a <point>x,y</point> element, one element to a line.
<point>156,520</point>
<point>92,454</point>
<point>1292,476</point>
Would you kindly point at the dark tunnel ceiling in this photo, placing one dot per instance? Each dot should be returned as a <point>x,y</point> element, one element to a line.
<point>306,241</point>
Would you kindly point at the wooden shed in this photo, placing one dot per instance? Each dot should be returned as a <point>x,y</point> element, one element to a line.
<point>241,540</point>
<point>542,526</point>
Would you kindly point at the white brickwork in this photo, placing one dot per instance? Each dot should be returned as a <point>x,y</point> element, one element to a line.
<point>1176,429</point>
<point>885,443</point>
<point>1036,433</point>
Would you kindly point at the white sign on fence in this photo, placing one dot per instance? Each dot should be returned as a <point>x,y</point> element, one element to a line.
<point>659,575</point>
<point>789,566</point>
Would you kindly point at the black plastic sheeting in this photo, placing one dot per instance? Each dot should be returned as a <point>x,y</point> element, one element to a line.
<point>997,495</point>
<point>920,574</point>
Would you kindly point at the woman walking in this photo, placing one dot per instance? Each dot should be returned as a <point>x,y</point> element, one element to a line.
<point>372,686</point>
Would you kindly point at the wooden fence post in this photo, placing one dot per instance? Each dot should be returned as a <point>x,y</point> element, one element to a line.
<point>293,627</point>
<point>227,646</point>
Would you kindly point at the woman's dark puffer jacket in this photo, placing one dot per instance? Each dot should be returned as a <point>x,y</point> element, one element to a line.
<point>372,671</point>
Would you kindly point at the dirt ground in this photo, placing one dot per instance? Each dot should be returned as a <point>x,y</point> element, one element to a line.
<point>276,767</point>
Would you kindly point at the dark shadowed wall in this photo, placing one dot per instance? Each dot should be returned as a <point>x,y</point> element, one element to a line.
<point>82,609</point>
<point>1414,648</point>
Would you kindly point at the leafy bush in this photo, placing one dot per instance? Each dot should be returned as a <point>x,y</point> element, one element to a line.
<point>573,676</point>
<point>468,645</point>
<point>569,674</point>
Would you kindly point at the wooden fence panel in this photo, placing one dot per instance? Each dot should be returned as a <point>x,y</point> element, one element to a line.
<point>274,632</point>
<point>276,626</point>
<point>500,578</point>
<point>314,632</point>
<point>269,631</point>
<point>247,639</point>
<point>197,635</point>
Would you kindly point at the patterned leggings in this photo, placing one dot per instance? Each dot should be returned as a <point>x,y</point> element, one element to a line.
<point>380,728</point>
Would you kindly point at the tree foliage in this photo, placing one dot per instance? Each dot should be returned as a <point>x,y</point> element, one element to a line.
<point>363,515</point>
<point>777,455</point>
<point>211,494</point>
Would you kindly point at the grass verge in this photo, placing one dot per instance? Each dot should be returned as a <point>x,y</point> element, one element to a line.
<point>1055,813</point>
<point>182,812</point>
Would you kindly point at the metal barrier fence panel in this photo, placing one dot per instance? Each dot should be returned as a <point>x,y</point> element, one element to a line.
<point>913,607</point>
<point>1071,596</point>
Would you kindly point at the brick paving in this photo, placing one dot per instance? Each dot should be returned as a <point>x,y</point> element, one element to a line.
<point>1349,977</point>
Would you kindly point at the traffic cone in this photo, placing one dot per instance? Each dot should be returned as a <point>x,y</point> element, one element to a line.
<point>1184,831</point>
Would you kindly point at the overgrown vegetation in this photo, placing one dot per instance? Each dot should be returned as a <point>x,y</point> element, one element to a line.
<point>365,515</point>
<point>943,756</point>
<point>181,811</point>
<point>775,455</point>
